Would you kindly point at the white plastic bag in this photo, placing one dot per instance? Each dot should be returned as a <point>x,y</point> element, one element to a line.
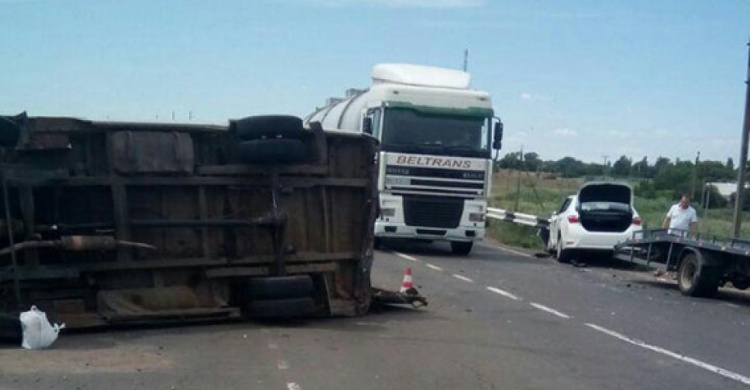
<point>38,333</point>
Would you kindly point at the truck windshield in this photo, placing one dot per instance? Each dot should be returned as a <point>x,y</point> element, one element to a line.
<point>411,131</point>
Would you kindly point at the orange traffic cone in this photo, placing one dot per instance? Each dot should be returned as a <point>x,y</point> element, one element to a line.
<point>407,283</point>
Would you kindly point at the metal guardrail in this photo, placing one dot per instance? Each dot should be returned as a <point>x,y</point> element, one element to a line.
<point>520,218</point>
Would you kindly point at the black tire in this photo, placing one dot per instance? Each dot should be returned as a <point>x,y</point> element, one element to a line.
<point>741,283</point>
<point>280,287</point>
<point>561,255</point>
<point>268,126</point>
<point>275,150</point>
<point>376,243</point>
<point>461,248</point>
<point>10,328</point>
<point>696,278</point>
<point>281,308</point>
<point>9,132</point>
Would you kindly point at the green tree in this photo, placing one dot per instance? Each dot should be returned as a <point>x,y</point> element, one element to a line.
<point>531,161</point>
<point>622,167</point>
<point>661,164</point>
<point>510,161</point>
<point>642,169</point>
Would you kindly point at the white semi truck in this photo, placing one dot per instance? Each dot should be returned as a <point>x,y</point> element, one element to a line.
<point>435,163</point>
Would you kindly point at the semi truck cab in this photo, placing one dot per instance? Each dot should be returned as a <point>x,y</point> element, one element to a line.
<point>435,161</point>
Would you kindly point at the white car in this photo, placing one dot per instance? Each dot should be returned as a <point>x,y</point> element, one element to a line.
<point>600,216</point>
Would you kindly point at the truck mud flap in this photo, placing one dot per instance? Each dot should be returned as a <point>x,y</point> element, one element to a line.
<point>410,297</point>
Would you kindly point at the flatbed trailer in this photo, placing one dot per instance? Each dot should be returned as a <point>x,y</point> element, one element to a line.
<point>702,262</point>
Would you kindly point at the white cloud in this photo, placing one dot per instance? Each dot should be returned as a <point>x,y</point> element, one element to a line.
<point>564,132</point>
<point>401,3</point>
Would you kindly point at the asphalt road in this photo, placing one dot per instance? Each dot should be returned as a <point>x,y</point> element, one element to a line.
<point>496,320</point>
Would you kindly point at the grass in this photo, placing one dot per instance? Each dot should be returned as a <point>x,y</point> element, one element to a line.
<point>541,194</point>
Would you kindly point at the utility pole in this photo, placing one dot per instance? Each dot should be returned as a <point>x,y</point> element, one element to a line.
<point>695,176</point>
<point>604,166</point>
<point>518,183</point>
<point>743,155</point>
<point>466,59</point>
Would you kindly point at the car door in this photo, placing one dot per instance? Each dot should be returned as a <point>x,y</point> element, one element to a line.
<point>555,221</point>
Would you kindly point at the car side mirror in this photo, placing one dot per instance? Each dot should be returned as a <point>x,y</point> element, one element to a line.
<point>497,141</point>
<point>367,125</point>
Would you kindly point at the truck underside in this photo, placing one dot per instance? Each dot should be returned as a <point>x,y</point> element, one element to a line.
<point>106,223</point>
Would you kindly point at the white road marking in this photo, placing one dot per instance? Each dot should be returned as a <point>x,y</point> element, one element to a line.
<point>434,267</point>
<point>503,293</point>
<point>549,310</point>
<point>293,386</point>
<point>272,346</point>
<point>464,278</point>
<point>405,256</point>
<point>282,365</point>
<point>686,359</point>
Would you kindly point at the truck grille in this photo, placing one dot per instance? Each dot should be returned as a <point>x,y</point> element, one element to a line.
<point>433,212</point>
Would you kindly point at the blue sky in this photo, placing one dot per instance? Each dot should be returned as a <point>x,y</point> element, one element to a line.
<point>577,78</point>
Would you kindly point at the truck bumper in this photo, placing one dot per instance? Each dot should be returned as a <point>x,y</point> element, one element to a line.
<point>399,230</point>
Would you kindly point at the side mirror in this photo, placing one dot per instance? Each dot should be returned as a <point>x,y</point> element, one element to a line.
<point>497,141</point>
<point>367,125</point>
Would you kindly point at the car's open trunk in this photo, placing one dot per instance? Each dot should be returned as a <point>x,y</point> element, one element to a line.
<point>605,207</point>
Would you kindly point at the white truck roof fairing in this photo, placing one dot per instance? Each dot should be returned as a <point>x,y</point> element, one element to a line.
<point>416,87</point>
<point>420,75</point>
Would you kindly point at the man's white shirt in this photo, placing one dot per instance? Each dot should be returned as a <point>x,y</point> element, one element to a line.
<point>680,218</point>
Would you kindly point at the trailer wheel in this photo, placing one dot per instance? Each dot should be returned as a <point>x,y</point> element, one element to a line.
<point>696,278</point>
<point>561,255</point>
<point>276,150</point>
<point>461,248</point>
<point>281,308</point>
<point>270,126</point>
<point>279,287</point>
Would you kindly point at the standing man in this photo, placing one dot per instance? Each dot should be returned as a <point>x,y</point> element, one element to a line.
<point>681,218</point>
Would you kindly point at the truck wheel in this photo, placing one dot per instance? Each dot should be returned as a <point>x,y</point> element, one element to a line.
<point>461,248</point>
<point>270,126</point>
<point>562,255</point>
<point>276,150</point>
<point>697,279</point>
<point>279,287</point>
<point>281,308</point>
<point>376,243</point>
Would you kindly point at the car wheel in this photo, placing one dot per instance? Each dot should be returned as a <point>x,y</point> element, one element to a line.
<point>696,278</point>
<point>562,255</point>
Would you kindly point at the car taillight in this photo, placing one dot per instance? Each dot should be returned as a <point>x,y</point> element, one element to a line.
<point>573,218</point>
<point>637,221</point>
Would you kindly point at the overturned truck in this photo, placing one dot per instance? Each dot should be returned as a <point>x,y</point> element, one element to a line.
<point>106,223</point>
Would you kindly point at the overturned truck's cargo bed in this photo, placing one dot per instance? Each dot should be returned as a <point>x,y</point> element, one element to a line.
<point>105,223</point>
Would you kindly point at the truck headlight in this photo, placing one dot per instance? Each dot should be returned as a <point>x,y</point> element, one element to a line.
<point>476,217</point>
